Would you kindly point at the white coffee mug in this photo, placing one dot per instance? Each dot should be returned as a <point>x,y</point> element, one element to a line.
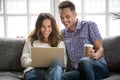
<point>87,49</point>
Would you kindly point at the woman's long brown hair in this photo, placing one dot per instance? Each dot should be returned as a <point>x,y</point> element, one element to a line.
<point>55,36</point>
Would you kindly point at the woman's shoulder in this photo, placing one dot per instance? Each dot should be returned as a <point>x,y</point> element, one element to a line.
<point>61,44</point>
<point>27,40</point>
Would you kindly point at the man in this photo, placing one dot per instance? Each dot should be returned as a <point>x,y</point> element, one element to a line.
<point>76,34</point>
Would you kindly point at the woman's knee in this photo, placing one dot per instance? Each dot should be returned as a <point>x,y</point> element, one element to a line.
<point>56,63</point>
<point>58,69</point>
<point>34,75</point>
<point>30,74</point>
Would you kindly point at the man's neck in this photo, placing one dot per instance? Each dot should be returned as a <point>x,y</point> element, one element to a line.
<point>72,29</point>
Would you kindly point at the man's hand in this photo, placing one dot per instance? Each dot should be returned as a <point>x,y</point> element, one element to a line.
<point>94,55</point>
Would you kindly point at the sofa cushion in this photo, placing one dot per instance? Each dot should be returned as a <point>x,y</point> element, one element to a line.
<point>113,76</point>
<point>10,53</point>
<point>111,47</point>
<point>10,75</point>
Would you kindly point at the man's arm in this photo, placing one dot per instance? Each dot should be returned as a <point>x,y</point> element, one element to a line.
<point>98,51</point>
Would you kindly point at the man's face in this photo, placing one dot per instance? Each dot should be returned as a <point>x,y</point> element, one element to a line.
<point>68,17</point>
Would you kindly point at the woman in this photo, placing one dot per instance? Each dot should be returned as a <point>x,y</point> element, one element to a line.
<point>46,34</point>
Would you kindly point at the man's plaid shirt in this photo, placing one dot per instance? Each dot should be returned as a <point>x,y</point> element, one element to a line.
<point>86,32</point>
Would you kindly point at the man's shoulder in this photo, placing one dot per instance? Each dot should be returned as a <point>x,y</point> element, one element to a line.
<point>86,21</point>
<point>63,30</point>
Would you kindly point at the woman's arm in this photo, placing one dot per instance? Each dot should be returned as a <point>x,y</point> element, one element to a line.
<point>26,55</point>
<point>62,45</point>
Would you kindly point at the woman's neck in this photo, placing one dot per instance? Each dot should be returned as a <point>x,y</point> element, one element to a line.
<point>46,40</point>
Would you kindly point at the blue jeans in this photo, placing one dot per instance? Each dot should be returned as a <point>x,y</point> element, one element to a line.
<point>92,70</point>
<point>88,69</point>
<point>71,75</point>
<point>53,73</point>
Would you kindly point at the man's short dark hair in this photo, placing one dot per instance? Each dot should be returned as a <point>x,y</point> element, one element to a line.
<point>67,4</point>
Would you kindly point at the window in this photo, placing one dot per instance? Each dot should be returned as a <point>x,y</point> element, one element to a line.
<point>1,28</point>
<point>99,11</point>
<point>18,17</point>
<point>1,6</point>
<point>95,11</point>
<point>18,24</point>
<point>16,6</point>
<point>114,25</point>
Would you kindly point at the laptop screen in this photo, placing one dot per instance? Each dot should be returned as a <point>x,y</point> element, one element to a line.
<point>43,57</point>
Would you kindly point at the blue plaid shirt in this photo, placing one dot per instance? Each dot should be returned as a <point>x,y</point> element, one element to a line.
<point>86,32</point>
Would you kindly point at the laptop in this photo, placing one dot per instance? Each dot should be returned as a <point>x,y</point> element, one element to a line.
<point>43,57</point>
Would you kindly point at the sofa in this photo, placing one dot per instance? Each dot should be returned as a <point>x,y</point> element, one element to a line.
<point>111,47</point>
<point>11,51</point>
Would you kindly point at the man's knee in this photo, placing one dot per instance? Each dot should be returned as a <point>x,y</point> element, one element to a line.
<point>84,60</point>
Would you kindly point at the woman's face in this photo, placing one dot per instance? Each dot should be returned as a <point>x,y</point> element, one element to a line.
<point>46,28</point>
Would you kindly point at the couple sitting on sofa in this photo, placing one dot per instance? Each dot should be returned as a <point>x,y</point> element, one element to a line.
<point>75,35</point>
